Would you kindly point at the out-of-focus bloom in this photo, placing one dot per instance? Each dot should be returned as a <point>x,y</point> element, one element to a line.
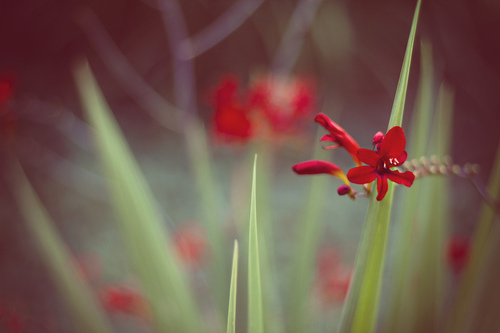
<point>457,253</point>
<point>231,120</point>
<point>390,154</point>
<point>283,102</point>
<point>125,300</point>
<point>10,320</point>
<point>332,278</point>
<point>8,120</point>
<point>339,136</point>
<point>89,266</point>
<point>191,244</point>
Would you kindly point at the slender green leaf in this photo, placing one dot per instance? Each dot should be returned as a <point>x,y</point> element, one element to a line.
<point>432,221</point>
<point>255,311</point>
<point>231,314</point>
<point>86,311</point>
<point>361,308</point>
<point>138,217</point>
<point>396,118</point>
<point>198,150</point>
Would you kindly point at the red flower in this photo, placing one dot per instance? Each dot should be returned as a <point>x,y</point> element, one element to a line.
<point>191,244</point>
<point>316,167</point>
<point>332,278</point>
<point>8,120</point>
<point>231,121</point>
<point>283,102</point>
<point>126,300</point>
<point>457,253</point>
<point>339,136</point>
<point>391,153</point>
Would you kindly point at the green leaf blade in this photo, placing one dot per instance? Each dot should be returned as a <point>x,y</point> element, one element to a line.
<point>255,309</point>
<point>138,217</point>
<point>231,315</point>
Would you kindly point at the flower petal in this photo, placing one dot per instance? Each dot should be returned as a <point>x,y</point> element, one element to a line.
<point>368,156</point>
<point>328,124</point>
<point>382,187</point>
<point>316,167</point>
<point>405,178</point>
<point>338,135</point>
<point>394,143</point>
<point>362,175</point>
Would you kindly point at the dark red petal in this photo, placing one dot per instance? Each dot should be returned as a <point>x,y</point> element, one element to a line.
<point>402,158</point>
<point>368,156</point>
<point>315,167</point>
<point>362,175</point>
<point>405,178</point>
<point>382,187</point>
<point>328,124</point>
<point>394,143</point>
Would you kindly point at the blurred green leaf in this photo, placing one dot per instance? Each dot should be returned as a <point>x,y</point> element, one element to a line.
<point>139,219</point>
<point>303,260</point>
<point>87,312</point>
<point>478,267</point>
<point>231,315</point>
<point>417,147</point>
<point>255,311</point>
<point>198,150</point>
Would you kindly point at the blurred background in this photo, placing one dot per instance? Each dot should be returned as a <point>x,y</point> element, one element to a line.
<point>350,52</point>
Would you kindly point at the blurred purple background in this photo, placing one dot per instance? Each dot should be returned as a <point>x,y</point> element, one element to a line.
<point>353,48</point>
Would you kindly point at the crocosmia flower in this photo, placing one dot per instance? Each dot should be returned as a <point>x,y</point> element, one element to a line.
<point>282,102</point>
<point>316,167</point>
<point>231,121</point>
<point>339,136</point>
<point>391,153</point>
<point>191,244</point>
<point>126,300</point>
<point>457,253</point>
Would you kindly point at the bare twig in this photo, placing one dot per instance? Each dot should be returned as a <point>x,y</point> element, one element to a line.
<point>143,94</point>
<point>218,30</point>
<point>291,43</point>
<point>184,79</point>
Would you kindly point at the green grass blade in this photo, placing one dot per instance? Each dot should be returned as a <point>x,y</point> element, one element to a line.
<point>396,118</point>
<point>86,312</point>
<point>362,305</point>
<point>432,223</point>
<point>198,150</point>
<point>476,266</point>
<point>138,217</point>
<point>231,314</point>
<point>255,311</point>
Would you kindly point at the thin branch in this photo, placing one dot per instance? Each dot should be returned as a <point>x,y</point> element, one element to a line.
<point>61,118</point>
<point>291,43</point>
<point>142,93</point>
<point>218,30</point>
<point>184,79</point>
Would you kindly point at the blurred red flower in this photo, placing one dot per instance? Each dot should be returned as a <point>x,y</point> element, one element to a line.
<point>332,278</point>
<point>283,102</point>
<point>457,253</point>
<point>391,153</point>
<point>125,300</point>
<point>231,121</point>
<point>191,244</point>
<point>8,120</point>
